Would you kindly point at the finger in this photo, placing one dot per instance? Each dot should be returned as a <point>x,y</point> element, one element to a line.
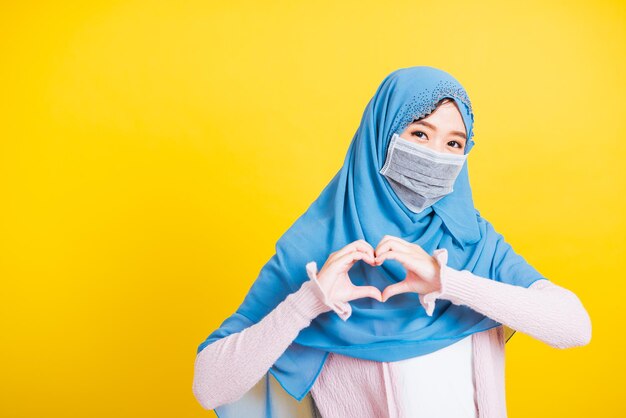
<point>401,256</point>
<point>408,245</point>
<point>382,242</point>
<point>395,289</point>
<point>346,261</point>
<point>392,244</point>
<point>358,292</point>
<point>359,245</point>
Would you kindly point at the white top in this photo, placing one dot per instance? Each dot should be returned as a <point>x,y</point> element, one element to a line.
<point>436,385</point>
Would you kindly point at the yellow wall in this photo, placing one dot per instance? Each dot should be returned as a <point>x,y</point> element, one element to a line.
<point>153,152</point>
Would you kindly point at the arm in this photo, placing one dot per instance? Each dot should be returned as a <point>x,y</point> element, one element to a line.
<point>226,369</point>
<point>544,310</point>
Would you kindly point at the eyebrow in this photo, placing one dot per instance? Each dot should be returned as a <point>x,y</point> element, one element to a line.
<point>434,128</point>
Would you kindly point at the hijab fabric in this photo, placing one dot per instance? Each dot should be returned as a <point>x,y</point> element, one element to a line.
<point>359,203</point>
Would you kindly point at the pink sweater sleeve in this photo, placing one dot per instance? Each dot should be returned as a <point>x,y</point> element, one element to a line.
<point>544,310</point>
<point>226,369</point>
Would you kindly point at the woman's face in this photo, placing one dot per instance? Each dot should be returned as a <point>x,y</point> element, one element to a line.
<point>443,130</point>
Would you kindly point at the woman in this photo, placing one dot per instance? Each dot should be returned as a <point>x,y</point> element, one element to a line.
<point>431,344</point>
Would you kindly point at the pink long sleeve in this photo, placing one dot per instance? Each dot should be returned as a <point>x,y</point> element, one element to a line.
<point>226,369</point>
<point>544,310</point>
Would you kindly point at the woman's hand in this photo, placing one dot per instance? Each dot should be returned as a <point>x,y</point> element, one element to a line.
<point>334,279</point>
<point>423,272</point>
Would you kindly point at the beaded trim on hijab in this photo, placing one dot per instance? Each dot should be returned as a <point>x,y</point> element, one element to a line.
<point>420,105</point>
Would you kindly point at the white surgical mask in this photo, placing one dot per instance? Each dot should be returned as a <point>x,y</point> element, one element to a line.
<point>419,175</point>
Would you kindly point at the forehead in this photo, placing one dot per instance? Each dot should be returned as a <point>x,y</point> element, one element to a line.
<point>434,123</point>
<point>447,111</point>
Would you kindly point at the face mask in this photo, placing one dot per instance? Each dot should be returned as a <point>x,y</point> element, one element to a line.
<point>419,175</point>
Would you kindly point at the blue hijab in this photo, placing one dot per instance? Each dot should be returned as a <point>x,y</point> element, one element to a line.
<point>359,203</point>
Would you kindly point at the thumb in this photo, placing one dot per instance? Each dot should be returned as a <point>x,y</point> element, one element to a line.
<point>358,292</point>
<point>395,289</point>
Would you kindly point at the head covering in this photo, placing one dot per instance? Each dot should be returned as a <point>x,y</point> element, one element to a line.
<point>359,203</point>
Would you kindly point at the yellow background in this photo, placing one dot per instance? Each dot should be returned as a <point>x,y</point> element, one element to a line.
<point>153,152</point>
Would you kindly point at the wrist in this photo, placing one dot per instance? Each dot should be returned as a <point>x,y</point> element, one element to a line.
<point>435,285</point>
<point>343,309</point>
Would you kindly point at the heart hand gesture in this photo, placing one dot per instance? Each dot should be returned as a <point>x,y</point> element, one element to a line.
<point>423,271</point>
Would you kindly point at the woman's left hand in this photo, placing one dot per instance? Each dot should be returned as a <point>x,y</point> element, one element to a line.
<point>422,269</point>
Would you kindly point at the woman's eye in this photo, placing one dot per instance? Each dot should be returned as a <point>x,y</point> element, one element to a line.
<point>458,144</point>
<point>418,132</point>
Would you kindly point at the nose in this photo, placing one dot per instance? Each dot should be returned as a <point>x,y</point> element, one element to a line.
<point>439,147</point>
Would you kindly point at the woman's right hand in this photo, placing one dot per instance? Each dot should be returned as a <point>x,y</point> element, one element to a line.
<point>334,279</point>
